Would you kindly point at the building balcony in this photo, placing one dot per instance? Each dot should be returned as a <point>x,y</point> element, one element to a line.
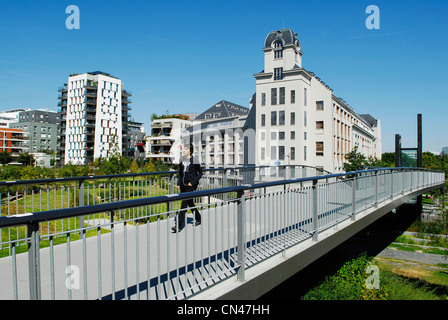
<point>92,86</point>
<point>90,101</point>
<point>90,93</point>
<point>126,93</point>
<point>161,142</point>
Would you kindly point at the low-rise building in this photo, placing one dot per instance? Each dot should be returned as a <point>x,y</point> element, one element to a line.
<point>12,141</point>
<point>217,135</point>
<point>165,141</point>
<point>41,128</point>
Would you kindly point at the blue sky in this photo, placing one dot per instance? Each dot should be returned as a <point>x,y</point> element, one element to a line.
<point>184,56</point>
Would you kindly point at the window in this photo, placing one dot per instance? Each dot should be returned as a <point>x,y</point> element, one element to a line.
<point>263,120</point>
<point>281,118</point>
<point>263,99</point>
<point>293,135</point>
<point>304,136</point>
<point>263,153</point>
<point>319,105</point>
<point>281,153</point>
<point>273,118</point>
<point>263,136</point>
<point>319,125</point>
<point>273,153</point>
<point>281,135</point>
<point>293,153</point>
<point>278,73</point>
<point>293,96</point>
<point>282,95</point>
<point>319,148</point>
<point>273,96</point>
<point>278,49</point>
<point>273,135</point>
<point>304,118</point>
<point>293,118</point>
<point>304,153</point>
<point>277,44</point>
<point>304,97</point>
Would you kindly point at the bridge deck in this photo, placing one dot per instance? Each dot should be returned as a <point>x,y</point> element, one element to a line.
<point>209,251</point>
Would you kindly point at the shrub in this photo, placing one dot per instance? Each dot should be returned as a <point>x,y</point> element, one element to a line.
<point>349,283</point>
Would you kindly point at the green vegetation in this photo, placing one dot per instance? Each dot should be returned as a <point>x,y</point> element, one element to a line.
<point>399,279</point>
<point>350,283</point>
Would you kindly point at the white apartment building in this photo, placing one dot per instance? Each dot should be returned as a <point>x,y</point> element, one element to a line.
<point>94,118</point>
<point>165,141</point>
<point>8,117</point>
<point>298,118</point>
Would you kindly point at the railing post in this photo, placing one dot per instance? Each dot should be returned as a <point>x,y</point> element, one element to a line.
<point>81,204</point>
<point>376,189</point>
<point>172,182</point>
<point>402,181</point>
<point>225,184</point>
<point>354,198</point>
<point>241,241</point>
<point>34,261</point>
<point>314,209</point>
<point>391,184</point>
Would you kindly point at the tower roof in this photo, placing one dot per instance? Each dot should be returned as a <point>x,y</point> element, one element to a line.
<point>286,35</point>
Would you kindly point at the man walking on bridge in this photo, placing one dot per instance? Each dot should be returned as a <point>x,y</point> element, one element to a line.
<point>189,175</point>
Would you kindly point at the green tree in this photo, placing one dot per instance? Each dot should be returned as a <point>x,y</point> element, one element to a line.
<point>26,159</point>
<point>134,167</point>
<point>388,159</point>
<point>5,157</point>
<point>355,160</point>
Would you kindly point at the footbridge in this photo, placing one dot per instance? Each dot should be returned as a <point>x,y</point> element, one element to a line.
<point>110,237</point>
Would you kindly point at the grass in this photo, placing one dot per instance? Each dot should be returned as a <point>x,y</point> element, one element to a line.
<point>36,200</point>
<point>413,281</point>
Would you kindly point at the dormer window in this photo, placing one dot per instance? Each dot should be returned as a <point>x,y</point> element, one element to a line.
<point>278,49</point>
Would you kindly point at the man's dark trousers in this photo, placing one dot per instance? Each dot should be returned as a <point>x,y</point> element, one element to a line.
<point>185,204</point>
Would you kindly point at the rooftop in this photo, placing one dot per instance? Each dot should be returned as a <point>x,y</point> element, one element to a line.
<point>287,36</point>
<point>223,109</point>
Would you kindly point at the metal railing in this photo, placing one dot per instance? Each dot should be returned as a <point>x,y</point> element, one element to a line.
<point>23,196</point>
<point>244,221</point>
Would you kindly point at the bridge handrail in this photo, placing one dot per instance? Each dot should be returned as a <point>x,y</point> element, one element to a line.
<point>37,217</point>
<point>128,175</point>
